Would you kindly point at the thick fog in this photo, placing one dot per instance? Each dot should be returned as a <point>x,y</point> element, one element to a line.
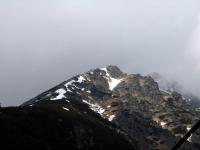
<point>44,42</point>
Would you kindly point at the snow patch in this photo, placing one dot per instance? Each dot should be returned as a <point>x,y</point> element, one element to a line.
<point>73,86</point>
<point>69,90</point>
<point>61,95</point>
<point>81,79</point>
<point>69,83</point>
<point>95,107</point>
<point>65,108</point>
<point>111,118</point>
<point>188,129</point>
<point>113,83</point>
<point>67,101</point>
<point>105,69</point>
<point>108,106</point>
<point>88,91</point>
<point>163,124</point>
<point>190,138</point>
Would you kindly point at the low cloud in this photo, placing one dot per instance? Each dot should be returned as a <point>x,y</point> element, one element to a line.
<point>45,42</point>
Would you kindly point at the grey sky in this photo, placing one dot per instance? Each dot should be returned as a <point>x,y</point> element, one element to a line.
<point>44,42</point>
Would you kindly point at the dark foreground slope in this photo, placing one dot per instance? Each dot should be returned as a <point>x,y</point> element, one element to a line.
<point>58,125</point>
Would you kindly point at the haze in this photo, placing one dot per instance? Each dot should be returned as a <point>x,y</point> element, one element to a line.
<point>44,42</point>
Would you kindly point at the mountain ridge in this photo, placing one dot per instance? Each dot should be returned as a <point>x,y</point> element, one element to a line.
<point>154,119</point>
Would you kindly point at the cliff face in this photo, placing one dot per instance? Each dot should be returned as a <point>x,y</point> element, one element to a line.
<point>151,117</point>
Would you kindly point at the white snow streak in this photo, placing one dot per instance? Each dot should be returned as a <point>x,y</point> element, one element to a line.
<point>108,106</point>
<point>81,79</point>
<point>163,124</point>
<point>88,91</point>
<point>65,108</point>
<point>69,90</point>
<point>190,138</point>
<point>111,81</point>
<point>61,95</point>
<point>111,118</point>
<point>95,107</point>
<point>69,83</point>
<point>105,69</point>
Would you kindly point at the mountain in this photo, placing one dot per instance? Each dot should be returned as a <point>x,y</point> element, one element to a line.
<point>103,106</point>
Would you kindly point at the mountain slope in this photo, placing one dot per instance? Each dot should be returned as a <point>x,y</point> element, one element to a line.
<point>58,125</point>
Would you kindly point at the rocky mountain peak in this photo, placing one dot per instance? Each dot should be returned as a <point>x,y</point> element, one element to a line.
<point>114,71</point>
<point>133,102</point>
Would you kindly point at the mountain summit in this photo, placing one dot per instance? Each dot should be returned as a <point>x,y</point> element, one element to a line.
<point>133,106</point>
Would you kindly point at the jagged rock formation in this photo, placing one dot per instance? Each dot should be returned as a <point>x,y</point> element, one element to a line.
<point>153,118</point>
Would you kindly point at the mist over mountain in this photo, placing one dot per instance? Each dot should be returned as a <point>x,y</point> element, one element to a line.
<point>171,86</point>
<point>46,42</point>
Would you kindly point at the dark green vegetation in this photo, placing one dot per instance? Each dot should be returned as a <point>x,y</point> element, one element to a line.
<point>49,126</point>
